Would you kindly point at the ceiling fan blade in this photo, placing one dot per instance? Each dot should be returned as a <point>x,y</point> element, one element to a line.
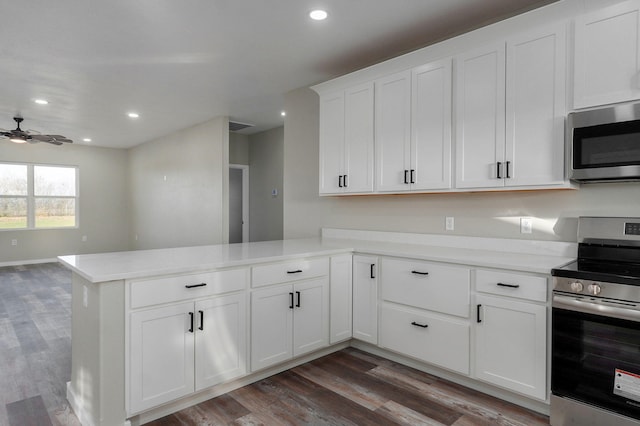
<point>54,139</point>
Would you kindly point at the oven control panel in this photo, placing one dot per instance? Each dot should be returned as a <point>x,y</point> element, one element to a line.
<point>632,228</point>
<point>596,290</point>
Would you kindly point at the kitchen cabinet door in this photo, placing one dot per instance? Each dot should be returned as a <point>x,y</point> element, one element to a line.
<point>310,315</point>
<point>365,299</point>
<point>510,345</point>
<point>393,132</point>
<point>480,115</point>
<point>431,126</point>
<point>331,142</point>
<point>341,294</point>
<point>161,354</point>
<point>535,108</point>
<point>271,326</point>
<point>358,139</point>
<point>346,141</point>
<point>607,55</point>
<point>221,339</point>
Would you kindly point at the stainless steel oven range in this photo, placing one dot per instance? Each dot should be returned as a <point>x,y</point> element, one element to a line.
<point>595,331</point>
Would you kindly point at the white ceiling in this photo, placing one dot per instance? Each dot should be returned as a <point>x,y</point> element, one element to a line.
<point>182,62</point>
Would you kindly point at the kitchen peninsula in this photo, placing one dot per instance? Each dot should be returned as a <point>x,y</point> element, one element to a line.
<point>154,331</point>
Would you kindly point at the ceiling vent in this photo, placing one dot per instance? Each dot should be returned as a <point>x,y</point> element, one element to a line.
<point>235,126</point>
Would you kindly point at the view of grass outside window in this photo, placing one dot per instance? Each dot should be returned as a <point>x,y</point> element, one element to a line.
<point>37,196</point>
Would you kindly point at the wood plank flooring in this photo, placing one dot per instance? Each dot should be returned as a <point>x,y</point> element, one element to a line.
<point>349,387</point>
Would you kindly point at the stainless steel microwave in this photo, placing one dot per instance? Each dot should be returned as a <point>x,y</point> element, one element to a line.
<point>604,144</point>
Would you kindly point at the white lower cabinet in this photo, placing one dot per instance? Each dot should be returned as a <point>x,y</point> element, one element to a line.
<point>365,298</point>
<point>511,335</point>
<point>288,320</point>
<point>427,336</point>
<point>425,310</point>
<point>181,348</point>
<point>341,294</point>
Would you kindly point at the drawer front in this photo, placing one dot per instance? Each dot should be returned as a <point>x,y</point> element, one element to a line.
<point>426,285</point>
<point>170,289</point>
<point>512,284</point>
<point>288,271</point>
<point>430,338</point>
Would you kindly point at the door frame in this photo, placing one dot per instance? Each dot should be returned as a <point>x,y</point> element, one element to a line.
<point>245,199</point>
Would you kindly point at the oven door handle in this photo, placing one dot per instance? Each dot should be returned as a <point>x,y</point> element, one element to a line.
<point>574,304</point>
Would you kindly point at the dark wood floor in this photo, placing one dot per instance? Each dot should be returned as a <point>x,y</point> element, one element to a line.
<point>349,387</point>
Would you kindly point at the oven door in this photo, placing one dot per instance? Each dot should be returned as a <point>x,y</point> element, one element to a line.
<point>596,354</point>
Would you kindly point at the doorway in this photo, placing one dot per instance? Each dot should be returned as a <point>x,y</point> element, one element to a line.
<point>238,203</point>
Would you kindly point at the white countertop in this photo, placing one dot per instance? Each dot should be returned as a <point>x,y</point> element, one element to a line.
<point>497,253</point>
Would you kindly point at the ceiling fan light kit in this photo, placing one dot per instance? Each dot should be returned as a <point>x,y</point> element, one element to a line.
<point>20,136</point>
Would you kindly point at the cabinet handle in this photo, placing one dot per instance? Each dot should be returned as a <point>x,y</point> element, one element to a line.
<point>506,168</point>
<point>419,273</point>
<point>508,285</point>
<point>191,322</point>
<point>420,325</point>
<point>297,271</point>
<point>346,183</point>
<point>195,285</point>
<point>340,181</point>
<point>373,266</point>
<point>201,320</point>
<point>498,171</point>
<point>478,313</point>
<point>413,176</point>
<point>406,174</point>
<point>290,300</point>
<point>298,296</point>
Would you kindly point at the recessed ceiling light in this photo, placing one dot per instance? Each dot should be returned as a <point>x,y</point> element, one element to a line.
<point>283,113</point>
<point>318,15</point>
<point>133,115</point>
<point>41,101</point>
<point>86,140</point>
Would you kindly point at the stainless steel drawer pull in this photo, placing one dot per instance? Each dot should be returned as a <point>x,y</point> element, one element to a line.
<point>196,285</point>
<point>294,272</point>
<point>419,273</point>
<point>508,285</point>
<point>420,325</point>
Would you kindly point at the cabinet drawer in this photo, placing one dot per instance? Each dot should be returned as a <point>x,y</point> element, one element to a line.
<point>512,284</point>
<point>425,336</point>
<point>170,289</point>
<point>427,286</point>
<point>288,271</point>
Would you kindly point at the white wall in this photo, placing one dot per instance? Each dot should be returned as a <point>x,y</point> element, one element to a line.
<point>103,209</point>
<point>179,188</point>
<point>494,214</point>
<point>266,157</point>
<point>238,148</point>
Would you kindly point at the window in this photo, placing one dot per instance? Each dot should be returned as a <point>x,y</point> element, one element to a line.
<point>38,196</point>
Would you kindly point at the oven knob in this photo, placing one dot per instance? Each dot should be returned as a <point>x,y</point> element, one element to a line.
<point>594,289</point>
<point>577,286</point>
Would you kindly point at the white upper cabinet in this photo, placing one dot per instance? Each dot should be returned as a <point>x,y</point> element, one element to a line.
<point>480,117</point>
<point>607,55</point>
<point>535,108</point>
<point>413,129</point>
<point>510,110</point>
<point>346,141</point>
<point>431,126</point>
<point>392,135</point>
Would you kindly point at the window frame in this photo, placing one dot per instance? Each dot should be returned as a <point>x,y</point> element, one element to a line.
<point>31,197</point>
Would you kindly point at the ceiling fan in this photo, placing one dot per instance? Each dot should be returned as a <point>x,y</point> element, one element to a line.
<point>21,136</point>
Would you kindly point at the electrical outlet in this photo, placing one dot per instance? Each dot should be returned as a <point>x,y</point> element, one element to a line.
<point>14,242</point>
<point>526,225</point>
<point>448,223</point>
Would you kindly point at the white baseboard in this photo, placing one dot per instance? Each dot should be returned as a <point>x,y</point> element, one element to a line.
<point>28,262</point>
